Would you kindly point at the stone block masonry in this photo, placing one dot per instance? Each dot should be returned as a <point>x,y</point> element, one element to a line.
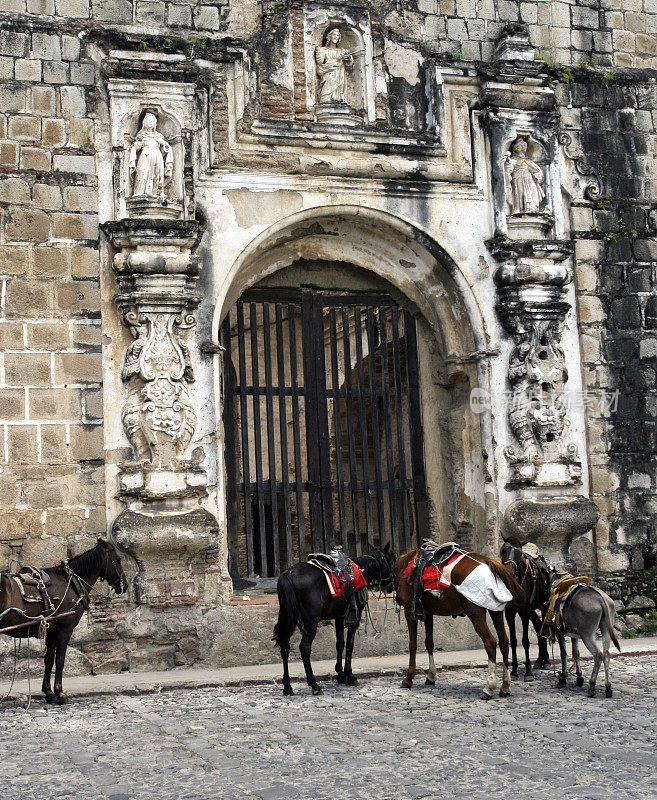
<point>51,448</point>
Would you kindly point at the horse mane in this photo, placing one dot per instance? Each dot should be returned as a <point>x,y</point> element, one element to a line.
<point>403,561</point>
<point>87,562</point>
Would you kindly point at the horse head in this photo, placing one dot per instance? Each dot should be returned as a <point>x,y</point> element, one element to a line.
<point>511,554</point>
<point>112,569</point>
<point>379,568</point>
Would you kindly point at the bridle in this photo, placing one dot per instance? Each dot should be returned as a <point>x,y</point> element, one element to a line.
<point>523,558</point>
<point>381,559</point>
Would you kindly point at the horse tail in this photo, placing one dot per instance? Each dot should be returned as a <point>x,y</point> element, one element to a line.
<point>610,623</point>
<point>500,571</point>
<point>288,612</point>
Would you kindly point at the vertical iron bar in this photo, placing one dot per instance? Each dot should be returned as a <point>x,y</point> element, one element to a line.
<point>296,432</point>
<point>415,425</point>
<point>335,383</point>
<point>271,442</point>
<point>349,400</point>
<point>383,328</point>
<point>376,442</point>
<point>362,408</point>
<point>244,425</point>
<point>399,409</point>
<point>312,434</point>
<point>326,489</point>
<point>230,449</point>
<point>282,419</point>
<point>257,435</point>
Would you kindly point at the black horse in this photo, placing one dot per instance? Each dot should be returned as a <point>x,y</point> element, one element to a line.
<point>533,575</point>
<point>305,599</point>
<point>71,583</point>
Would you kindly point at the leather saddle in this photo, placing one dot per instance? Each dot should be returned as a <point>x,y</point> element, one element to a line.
<point>33,576</point>
<point>325,562</point>
<point>32,584</point>
<point>429,553</point>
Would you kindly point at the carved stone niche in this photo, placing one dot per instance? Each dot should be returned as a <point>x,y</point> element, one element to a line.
<point>525,190</point>
<point>339,64</point>
<point>153,123</point>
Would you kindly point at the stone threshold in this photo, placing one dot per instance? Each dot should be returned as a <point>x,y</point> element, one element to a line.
<point>136,683</point>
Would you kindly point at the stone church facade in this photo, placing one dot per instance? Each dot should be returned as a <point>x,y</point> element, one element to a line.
<point>279,274</point>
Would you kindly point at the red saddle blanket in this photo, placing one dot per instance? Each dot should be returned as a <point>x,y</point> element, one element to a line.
<point>435,577</point>
<point>337,587</point>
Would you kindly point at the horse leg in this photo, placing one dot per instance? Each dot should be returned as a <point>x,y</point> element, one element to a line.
<point>339,646</point>
<point>529,675</point>
<point>350,678</point>
<point>428,643</point>
<point>562,650</point>
<point>595,651</point>
<point>285,656</point>
<point>503,639</point>
<point>578,668</point>
<point>49,660</point>
<point>477,616</point>
<point>411,622</point>
<point>543,660</point>
<point>305,647</point>
<point>63,636</point>
<point>606,641</point>
<point>511,622</point>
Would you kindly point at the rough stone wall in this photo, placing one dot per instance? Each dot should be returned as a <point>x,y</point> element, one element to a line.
<point>616,252</point>
<point>51,473</point>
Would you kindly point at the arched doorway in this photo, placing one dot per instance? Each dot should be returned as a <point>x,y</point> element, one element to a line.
<point>347,376</point>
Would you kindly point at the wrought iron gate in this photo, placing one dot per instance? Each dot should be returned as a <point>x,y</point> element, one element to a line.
<point>322,424</point>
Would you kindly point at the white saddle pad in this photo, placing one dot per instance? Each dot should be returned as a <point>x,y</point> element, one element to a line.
<point>485,589</point>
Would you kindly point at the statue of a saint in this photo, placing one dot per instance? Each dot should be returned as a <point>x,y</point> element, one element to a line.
<point>151,160</point>
<point>524,178</point>
<point>332,63</point>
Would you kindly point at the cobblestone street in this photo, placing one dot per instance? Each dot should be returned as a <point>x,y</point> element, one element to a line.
<point>376,741</point>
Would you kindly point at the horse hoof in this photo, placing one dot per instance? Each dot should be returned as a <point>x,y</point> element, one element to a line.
<point>342,678</point>
<point>288,691</point>
<point>407,684</point>
<point>528,677</point>
<point>591,691</point>
<point>317,690</point>
<point>51,697</point>
<point>580,680</point>
<point>514,673</point>
<point>561,683</point>
<point>429,682</point>
<point>505,692</point>
<point>352,680</point>
<point>61,699</point>
<point>608,690</point>
<point>485,696</point>
<point>538,664</point>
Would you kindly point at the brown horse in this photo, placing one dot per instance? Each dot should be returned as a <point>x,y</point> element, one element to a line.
<point>452,603</point>
<point>70,583</point>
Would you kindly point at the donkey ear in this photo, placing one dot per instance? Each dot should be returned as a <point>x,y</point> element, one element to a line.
<point>387,546</point>
<point>103,542</point>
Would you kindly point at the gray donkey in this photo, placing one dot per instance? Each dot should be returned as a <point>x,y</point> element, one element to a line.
<point>588,610</point>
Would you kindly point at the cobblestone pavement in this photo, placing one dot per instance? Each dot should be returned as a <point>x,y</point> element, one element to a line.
<point>373,742</point>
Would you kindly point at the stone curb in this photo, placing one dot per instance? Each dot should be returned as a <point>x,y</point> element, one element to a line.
<point>156,683</point>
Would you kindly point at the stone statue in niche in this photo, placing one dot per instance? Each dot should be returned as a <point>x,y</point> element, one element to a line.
<point>524,181</point>
<point>332,63</point>
<point>151,160</point>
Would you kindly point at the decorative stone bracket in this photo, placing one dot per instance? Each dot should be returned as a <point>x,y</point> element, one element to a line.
<point>157,277</point>
<point>531,281</point>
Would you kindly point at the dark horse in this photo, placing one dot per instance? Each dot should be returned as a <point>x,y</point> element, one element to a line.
<point>305,599</point>
<point>71,581</point>
<point>451,603</point>
<point>534,578</point>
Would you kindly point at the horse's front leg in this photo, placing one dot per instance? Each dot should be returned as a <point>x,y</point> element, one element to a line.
<point>562,650</point>
<point>411,622</point>
<point>428,643</point>
<point>511,622</point>
<point>63,637</point>
<point>305,647</point>
<point>543,660</point>
<point>350,678</point>
<point>529,675</point>
<point>339,647</point>
<point>49,660</point>
<point>503,639</point>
